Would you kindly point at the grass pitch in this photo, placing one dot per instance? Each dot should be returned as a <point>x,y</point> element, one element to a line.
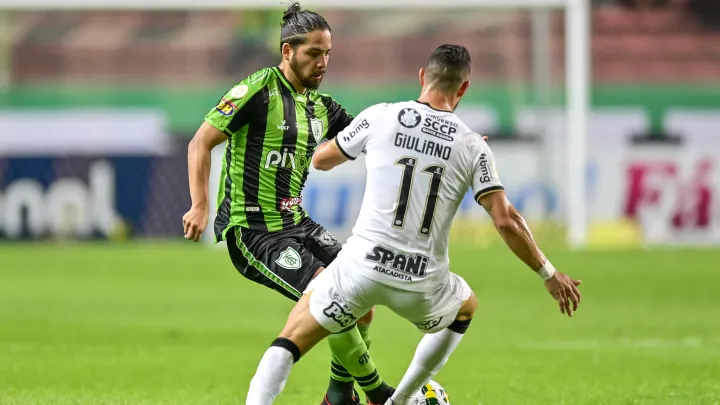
<point>173,323</point>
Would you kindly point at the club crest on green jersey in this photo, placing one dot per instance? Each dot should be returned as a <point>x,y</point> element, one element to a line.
<point>289,259</point>
<point>316,127</point>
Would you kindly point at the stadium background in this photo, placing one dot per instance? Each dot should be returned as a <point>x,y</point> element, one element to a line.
<point>101,301</point>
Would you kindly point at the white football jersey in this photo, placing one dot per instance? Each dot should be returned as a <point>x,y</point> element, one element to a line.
<point>420,164</point>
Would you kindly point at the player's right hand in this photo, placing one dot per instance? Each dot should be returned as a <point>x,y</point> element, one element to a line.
<point>194,223</point>
<point>564,290</point>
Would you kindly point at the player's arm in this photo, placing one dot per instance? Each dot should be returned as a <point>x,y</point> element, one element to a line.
<point>199,148</point>
<point>347,145</point>
<point>512,228</point>
<point>206,138</point>
<point>490,193</point>
<point>327,156</point>
<point>233,111</point>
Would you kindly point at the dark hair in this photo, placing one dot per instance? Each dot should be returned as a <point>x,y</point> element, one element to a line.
<point>297,23</point>
<point>448,67</point>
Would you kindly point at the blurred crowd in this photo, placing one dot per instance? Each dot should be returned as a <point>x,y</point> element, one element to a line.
<point>707,11</point>
<point>632,41</point>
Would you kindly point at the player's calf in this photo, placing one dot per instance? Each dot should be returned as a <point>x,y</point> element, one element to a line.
<point>350,348</point>
<point>363,325</point>
<point>350,361</point>
<point>300,334</point>
<point>433,352</point>
<point>351,358</point>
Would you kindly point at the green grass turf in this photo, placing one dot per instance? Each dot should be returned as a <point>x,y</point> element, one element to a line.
<point>167,323</point>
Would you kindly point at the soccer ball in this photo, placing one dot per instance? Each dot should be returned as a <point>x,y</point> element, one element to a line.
<point>431,393</point>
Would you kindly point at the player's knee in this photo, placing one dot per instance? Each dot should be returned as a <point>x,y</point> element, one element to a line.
<point>367,318</point>
<point>460,326</point>
<point>288,345</point>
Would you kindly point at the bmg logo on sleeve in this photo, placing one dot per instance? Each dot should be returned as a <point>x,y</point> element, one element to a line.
<point>364,124</point>
<point>486,171</point>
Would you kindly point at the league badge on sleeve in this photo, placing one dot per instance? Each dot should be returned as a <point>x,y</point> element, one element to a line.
<point>239,91</point>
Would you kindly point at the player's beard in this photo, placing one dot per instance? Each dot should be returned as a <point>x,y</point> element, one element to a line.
<point>307,81</point>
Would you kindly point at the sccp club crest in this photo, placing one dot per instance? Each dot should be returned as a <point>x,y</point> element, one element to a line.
<point>409,118</point>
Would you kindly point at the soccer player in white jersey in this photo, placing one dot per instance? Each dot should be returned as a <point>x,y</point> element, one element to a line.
<point>421,160</point>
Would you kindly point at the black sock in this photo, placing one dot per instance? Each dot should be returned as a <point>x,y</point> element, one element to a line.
<point>339,392</point>
<point>380,394</point>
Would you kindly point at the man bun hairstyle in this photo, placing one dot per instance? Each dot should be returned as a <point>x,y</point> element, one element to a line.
<point>448,67</point>
<point>297,23</point>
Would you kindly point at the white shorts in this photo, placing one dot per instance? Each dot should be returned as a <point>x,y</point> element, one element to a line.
<point>340,296</point>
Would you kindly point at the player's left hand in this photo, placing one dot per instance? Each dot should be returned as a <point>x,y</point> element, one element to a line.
<point>564,289</point>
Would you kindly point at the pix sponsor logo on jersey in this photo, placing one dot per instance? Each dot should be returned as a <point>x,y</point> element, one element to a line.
<point>389,260</point>
<point>288,160</point>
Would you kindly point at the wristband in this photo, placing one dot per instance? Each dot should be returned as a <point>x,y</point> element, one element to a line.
<point>547,271</point>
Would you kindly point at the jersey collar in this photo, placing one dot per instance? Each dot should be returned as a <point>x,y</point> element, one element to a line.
<point>428,105</point>
<point>285,81</point>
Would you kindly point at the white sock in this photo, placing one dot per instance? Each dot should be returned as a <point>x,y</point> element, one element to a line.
<point>431,355</point>
<point>270,377</point>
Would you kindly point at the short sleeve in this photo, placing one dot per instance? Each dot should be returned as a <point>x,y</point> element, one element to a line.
<point>338,118</point>
<point>237,105</point>
<point>485,178</point>
<point>352,140</point>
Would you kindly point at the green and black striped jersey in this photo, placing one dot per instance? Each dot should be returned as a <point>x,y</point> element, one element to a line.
<point>272,133</point>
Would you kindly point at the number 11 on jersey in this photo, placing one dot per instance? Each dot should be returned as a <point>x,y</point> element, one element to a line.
<point>408,165</point>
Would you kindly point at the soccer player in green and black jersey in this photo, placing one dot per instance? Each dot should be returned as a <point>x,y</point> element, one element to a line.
<point>272,122</point>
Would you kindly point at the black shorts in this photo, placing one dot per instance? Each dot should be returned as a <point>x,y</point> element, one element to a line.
<point>284,260</point>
